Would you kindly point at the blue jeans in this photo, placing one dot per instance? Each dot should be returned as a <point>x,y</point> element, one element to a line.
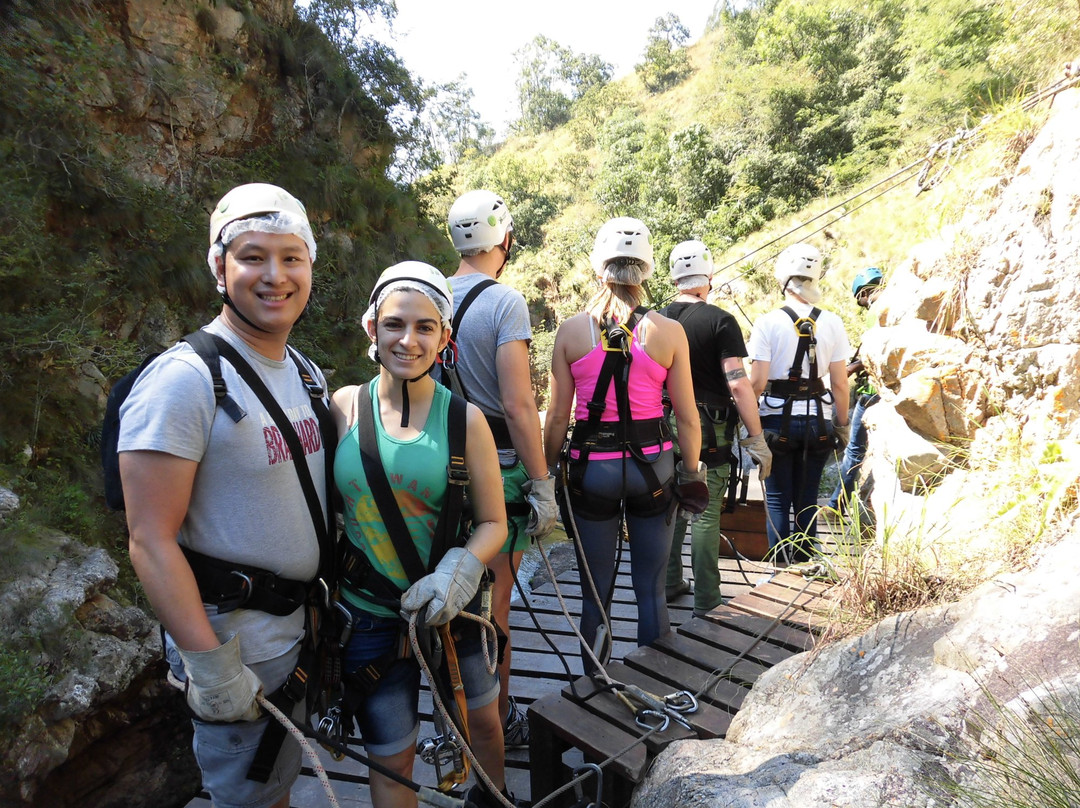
<point>855,452</point>
<point>794,481</point>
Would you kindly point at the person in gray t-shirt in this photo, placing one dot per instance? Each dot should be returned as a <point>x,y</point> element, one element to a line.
<point>493,366</point>
<point>196,480</point>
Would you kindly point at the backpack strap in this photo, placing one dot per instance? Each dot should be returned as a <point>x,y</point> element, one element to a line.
<point>381,491</point>
<point>448,528</point>
<point>319,514</point>
<point>202,342</point>
<point>455,325</point>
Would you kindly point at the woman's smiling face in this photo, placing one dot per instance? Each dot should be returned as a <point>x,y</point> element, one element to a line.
<point>409,333</point>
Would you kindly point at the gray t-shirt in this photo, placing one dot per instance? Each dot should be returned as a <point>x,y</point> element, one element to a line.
<point>497,316</point>
<point>246,503</point>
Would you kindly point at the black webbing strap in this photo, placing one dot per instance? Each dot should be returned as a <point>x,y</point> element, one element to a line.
<point>615,370</point>
<point>295,687</point>
<point>455,324</point>
<point>798,387</point>
<point>448,529</point>
<point>230,586</point>
<point>319,515</point>
<point>328,430</point>
<point>381,492</point>
<point>202,342</point>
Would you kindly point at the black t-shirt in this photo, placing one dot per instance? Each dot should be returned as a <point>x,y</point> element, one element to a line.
<point>714,336</point>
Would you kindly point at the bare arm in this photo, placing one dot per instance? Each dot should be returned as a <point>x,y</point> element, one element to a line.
<point>157,488</point>
<point>485,489</point>
<point>516,394</point>
<point>742,392</point>
<point>838,381</point>
<point>557,421</point>
<point>759,376</point>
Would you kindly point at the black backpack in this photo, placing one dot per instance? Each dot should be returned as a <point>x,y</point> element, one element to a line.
<point>203,345</point>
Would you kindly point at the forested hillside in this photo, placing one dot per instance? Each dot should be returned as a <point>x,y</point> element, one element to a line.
<point>122,121</point>
<point>784,107</point>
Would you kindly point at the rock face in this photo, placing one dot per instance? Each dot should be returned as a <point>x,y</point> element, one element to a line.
<point>886,718</point>
<point>106,732</point>
<point>977,359</point>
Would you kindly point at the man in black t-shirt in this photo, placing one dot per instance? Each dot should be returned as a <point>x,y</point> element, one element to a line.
<point>723,393</point>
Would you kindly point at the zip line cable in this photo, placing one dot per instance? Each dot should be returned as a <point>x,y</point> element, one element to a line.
<point>945,146</point>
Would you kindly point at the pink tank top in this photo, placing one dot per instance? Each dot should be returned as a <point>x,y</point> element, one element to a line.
<point>645,387</point>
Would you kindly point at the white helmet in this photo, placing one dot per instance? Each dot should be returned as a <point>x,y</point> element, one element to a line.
<point>798,261</point>
<point>623,237</point>
<point>245,201</point>
<point>690,258</point>
<point>418,276</point>
<point>479,220</point>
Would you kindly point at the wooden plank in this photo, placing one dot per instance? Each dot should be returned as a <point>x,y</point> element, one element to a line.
<point>779,633</point>
<point>682,675</point>
<point>764,607</point>
<point>575,725</point>
<point>709,657</point>
<point>753,648</point>
<point>708,721</point>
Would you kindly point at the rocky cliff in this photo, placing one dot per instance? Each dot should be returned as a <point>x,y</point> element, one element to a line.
<point>121,105</point>
<point>974,445</point>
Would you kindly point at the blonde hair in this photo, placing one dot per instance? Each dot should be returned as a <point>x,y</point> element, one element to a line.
<point>615,301</point>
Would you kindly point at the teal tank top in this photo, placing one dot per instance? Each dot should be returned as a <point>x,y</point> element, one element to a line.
<point>416,470</point>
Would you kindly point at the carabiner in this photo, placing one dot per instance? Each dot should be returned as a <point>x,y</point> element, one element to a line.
<point>681,701</point>
<point>664,720</point>
<point>579,792</point>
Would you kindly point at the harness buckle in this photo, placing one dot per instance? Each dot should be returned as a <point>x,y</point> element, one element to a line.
<point>247,586</point>
<point>456,473</point>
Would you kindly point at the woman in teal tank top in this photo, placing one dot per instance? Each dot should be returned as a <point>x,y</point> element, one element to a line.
<point>408,321</point>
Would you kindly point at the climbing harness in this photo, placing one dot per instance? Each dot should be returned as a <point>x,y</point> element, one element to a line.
<point>433,648</point>
<point>797,387</point>
<point>625,435</point>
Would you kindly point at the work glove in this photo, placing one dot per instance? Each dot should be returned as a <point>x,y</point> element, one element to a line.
<point>760,451</point>
<point>843,435</point>
<point>691,491</point>
<point>447,590</point>
<point>219,686</point>
<point>540,494</point>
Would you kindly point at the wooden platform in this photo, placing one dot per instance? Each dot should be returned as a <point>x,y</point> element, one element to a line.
<point>568,732</point>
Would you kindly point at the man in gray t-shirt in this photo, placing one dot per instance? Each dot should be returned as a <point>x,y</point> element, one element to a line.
<point>493,365</point>
<point>196,480</point>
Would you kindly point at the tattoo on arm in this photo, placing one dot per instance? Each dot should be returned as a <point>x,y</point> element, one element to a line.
<point>735,375</point>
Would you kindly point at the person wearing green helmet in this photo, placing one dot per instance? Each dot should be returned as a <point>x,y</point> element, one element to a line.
<point>214,494</point>
<point>865,288</point>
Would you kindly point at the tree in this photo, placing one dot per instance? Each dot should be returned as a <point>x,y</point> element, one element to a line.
<point>552,78</point>
<point>454,127</point>
<point>665,62</point>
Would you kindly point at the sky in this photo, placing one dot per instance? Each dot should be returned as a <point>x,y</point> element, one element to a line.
<point>438,40</point>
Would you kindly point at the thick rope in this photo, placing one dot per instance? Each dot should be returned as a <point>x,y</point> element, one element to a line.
<point>290,727</point>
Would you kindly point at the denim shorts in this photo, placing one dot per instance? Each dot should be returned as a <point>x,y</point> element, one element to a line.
<point>224,752</point>
<point>388,718</point>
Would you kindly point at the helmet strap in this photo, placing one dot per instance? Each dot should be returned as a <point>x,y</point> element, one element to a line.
<point>228,301</point>
<point>405,408</point>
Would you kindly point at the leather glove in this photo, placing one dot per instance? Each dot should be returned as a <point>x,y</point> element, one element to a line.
<point>219,686</point>
<point>691,491</point>
<point>447,590</point>
<point>760,451</point>
<point>843,435</point>
<point>540,494</point>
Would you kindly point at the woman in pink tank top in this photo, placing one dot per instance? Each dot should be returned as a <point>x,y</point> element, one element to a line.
<point>620,464</point>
